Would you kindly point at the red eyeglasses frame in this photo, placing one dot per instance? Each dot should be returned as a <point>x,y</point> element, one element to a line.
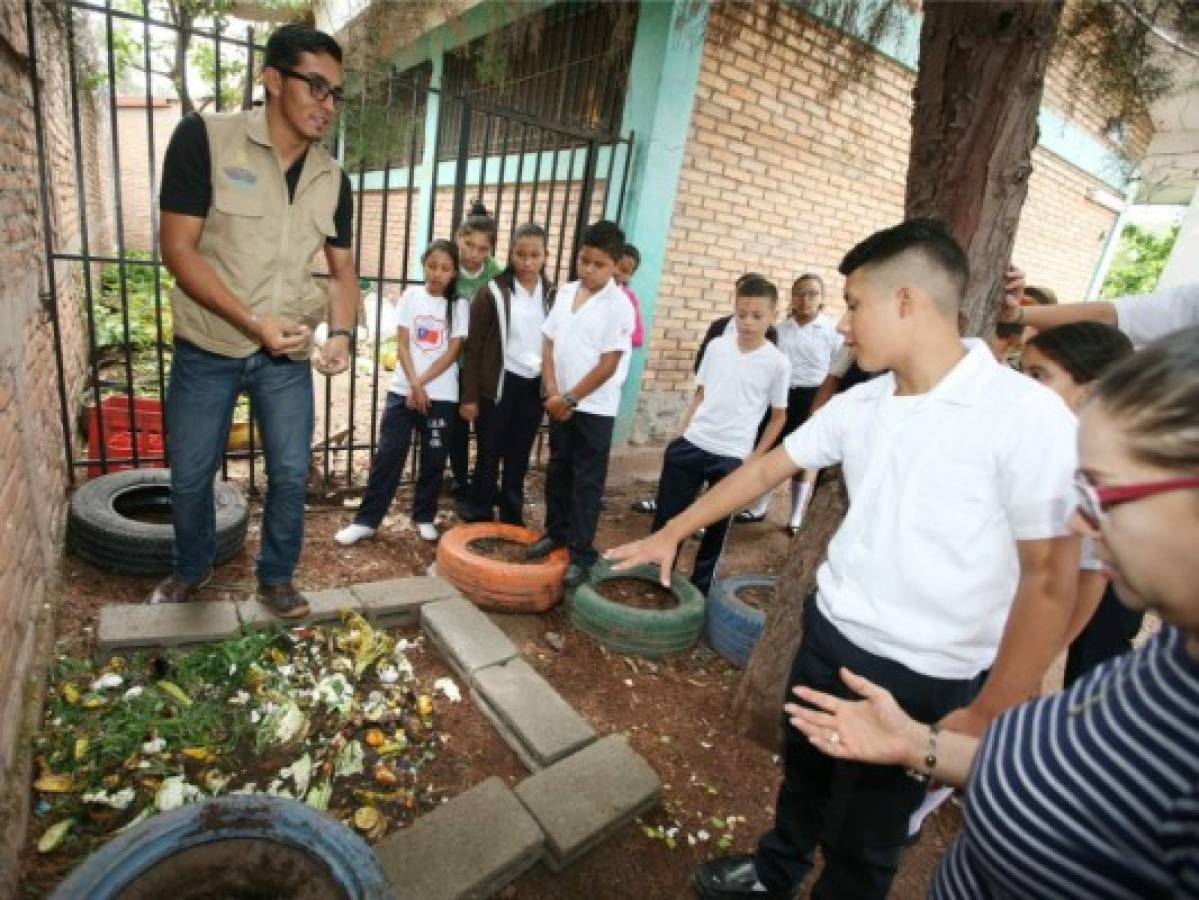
<point>1098,499</point>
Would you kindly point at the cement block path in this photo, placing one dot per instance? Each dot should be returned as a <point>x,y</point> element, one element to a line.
<point>530,715</point>
<point>581,800</point>
<point>470,848</point>
<point>129,626</point>
<point>465,637</point>
<point>398,601</point>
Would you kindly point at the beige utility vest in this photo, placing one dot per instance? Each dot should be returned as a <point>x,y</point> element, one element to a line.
<point>259,244</point>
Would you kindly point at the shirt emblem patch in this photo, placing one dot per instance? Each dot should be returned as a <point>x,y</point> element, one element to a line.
<point>429,333</point>
<point>240,176</point>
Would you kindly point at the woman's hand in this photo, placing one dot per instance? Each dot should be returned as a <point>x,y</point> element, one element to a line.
<point>468,411</point>
<point>873,729</point>
<point>659,549</point>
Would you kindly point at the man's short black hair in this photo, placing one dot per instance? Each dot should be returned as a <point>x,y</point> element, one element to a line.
<point>606,237</point>
<point>755,285</point>
<point>929,236</point>
<point>284,46</point>
<point>632,253</point>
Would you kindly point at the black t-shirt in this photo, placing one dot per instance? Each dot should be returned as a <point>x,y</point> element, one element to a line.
<point>187,180</point>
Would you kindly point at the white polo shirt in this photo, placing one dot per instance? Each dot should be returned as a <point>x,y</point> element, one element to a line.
<point>522,353</point>
<point>604,323</point>
<point>810,349</point>
<point>738,388</point>
<point>941,485</point>
<point>1147,317</point>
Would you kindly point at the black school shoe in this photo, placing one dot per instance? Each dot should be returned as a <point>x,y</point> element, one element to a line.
<point>542,547</point>
<point>576,574</point>
<point>731,878</point>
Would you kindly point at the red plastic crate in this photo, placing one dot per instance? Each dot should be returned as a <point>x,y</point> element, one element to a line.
<point>118,443</point>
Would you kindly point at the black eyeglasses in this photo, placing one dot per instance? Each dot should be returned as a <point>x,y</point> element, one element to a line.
<point>321,89</point>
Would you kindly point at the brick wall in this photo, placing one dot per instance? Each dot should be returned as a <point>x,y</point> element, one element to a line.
<point>779,178</point>
<point>137,199</point>
<point>32,473</point>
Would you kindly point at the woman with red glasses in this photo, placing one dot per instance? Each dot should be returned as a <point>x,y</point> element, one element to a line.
<point>1094,792</point>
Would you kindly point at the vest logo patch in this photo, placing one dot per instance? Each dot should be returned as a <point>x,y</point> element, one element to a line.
<point>240,176</point>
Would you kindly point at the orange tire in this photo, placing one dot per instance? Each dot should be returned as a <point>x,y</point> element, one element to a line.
<point>500,586</point>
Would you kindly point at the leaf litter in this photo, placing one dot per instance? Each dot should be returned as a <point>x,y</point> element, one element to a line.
<point>332,715</point>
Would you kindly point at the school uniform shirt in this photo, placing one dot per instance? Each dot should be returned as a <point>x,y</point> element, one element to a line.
<point>522,355</point>
<point>429,335</point>
<point>1088,794</point>
<point>941,485</point>
<point>1147,317</point>
<point>809,349</point>
<point>738,388</point>
<point>603,324</point>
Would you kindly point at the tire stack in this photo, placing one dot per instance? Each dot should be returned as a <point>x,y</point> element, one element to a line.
<point>733,626</point>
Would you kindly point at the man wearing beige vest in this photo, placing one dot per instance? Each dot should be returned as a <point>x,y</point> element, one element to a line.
<point>247,199</point>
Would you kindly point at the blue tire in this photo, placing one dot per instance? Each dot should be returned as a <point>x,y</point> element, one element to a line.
<point>733,626</point>
<point>234,846</point>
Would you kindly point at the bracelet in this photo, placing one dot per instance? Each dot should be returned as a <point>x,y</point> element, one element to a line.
<point>929,763</point>
<point>337,332</point>
<point>569,399</point>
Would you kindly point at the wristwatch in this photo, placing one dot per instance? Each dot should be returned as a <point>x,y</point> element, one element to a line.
<point>349,335</point>
<point>569,399</point>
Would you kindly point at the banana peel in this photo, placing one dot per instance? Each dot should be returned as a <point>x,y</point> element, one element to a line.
<point>54,784</point>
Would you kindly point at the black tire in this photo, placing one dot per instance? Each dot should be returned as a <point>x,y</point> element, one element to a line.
<point>101,530</point>
<point>241,846</point>
<point>733,626</point>
<point>638,632</point>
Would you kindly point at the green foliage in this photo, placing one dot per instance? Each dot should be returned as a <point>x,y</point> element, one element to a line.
<point>1139,261</point>
<point>141,301</point>
<point>233,72</point>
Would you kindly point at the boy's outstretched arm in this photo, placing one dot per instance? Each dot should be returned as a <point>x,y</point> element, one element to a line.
<point>735,492</point>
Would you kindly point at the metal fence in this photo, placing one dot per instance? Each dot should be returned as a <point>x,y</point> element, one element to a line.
<point>523,167</point>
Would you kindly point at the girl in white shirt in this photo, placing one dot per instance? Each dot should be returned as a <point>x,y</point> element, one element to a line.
<point>423,396</point>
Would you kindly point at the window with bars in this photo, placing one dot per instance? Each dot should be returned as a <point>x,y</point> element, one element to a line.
<point>566,66</point>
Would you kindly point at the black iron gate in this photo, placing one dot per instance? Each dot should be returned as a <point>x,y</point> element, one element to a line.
<point>416,159</point>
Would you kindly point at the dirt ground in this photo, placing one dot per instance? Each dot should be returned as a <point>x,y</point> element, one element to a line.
<point>718,786</point>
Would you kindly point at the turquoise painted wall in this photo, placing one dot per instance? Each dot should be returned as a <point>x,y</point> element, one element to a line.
<point>668,48</point>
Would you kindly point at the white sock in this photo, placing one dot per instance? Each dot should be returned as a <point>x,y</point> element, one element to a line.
<point>801,491</point>
<point>932,800</point>
<point>353,533</point>
<point>427,531</point>
<point>759,509</point>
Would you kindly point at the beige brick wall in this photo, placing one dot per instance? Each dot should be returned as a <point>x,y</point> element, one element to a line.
<point>138,201</point>
<point>32,471</point>
<point>779,178</point>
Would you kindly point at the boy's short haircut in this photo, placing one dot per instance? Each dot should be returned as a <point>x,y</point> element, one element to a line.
<point>632,253</point>
<point>809,276</point>
<point>284,46</point>
<point>606,237</point>
<point>757,286</point>
<point>929,237</point>
<point>746,276</point>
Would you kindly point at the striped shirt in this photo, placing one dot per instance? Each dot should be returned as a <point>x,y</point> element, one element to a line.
<point>1092,793</point>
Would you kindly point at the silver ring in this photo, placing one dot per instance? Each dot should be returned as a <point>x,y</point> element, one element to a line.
<point>834,738</point>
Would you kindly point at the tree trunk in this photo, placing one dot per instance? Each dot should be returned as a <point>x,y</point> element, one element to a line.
<point>974,127</point>
<point>757,705</point>
<point>183,20</point>
<point>247,84</point>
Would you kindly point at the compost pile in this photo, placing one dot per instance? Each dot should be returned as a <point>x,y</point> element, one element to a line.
<point>332,715</point>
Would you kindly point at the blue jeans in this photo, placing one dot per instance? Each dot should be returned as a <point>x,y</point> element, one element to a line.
<point>200,400</point>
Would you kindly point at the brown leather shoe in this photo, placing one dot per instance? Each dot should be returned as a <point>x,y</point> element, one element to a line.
<point>283,600</point>
<point>174,590</point>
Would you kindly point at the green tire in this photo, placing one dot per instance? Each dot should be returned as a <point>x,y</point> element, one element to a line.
<point>638,632</point>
